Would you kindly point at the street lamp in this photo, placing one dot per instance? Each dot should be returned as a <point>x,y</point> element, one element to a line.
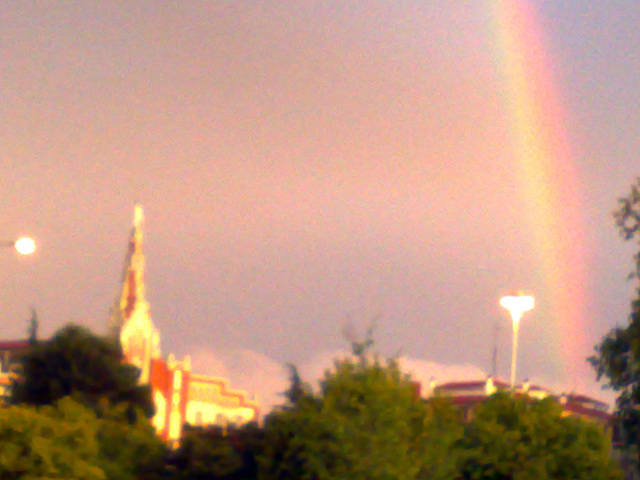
<point>517,305</point>
<point>23,245</point>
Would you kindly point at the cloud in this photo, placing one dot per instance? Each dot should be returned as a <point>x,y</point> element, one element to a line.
<point>265,379</point>
<point>425,371</point>
<point>262,377</point>
<point>314,370</point>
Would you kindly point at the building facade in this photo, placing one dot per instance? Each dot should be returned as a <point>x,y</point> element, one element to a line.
<point>180,395</point>
<point>11,353</point>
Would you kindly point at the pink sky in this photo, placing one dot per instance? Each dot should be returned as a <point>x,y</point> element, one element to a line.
<point>305,164</point>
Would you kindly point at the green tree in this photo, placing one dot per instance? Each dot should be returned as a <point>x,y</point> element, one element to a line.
<point>53,442</point>
<point>367,422</point>
<point>77,363</point>
<point>69,441</point>
<point>33,327</point>
<point>525,439</point>
<point>282,458</point>
<point>214,453</point>
<point>617,357</point>
<point>129,450</point>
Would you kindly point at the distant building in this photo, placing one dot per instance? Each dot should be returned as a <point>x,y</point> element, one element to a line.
<point>466,395</point>
<point>11,353</point>
<point>180,396</point>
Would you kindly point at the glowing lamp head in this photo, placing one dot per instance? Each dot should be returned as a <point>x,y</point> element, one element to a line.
<point>517,305</point>
<point>25,246</point>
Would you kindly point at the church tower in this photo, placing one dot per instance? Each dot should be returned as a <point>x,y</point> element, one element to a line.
<point>130,321</point>
<point>179,395</point>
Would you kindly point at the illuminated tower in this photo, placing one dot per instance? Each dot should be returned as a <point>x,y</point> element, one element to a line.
<point>130,321</point>
<point>178,394</point>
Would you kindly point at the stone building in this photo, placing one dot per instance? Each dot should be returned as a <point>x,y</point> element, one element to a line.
<point>180,395</point>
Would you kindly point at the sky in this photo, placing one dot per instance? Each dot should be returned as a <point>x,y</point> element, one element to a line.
<point>314,168</point>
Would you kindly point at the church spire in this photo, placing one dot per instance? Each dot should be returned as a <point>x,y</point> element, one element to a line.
<point>138,216</point>
<point>131,322</point>
<point>133,286</point>
<point>132,292</point>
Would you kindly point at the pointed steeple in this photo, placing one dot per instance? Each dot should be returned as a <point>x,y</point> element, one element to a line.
<point>133,291</point>
<point>130,321</point>
<point>132,280</point>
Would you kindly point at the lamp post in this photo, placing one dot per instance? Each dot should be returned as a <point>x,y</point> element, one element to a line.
<point>23,245</point>
<point>517,305</point>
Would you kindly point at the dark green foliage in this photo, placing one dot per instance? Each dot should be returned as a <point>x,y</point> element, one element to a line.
<point>33,328</point>
<point>366,423</point>
<point>129,448</point>
<point>297,390</point>
<point>52,442</point>
<point>617,357</point>
<point>522,438</point>
<point>77,363</point>
<point>214,453</point>
<point>69,441</point>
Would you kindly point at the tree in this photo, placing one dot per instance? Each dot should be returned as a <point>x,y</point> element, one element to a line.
<point>617,357</point>
<point>129,450</point>
<point>69,441</point>
<point>367,422</point>
<point>77,363</point>
<point>526,439</point>
<point>33,328</point>
<point>214,453</point>
<point>51,442</point>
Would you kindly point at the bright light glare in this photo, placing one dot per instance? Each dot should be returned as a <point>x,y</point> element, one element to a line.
<point>25,246</point>
<point>517,304</point>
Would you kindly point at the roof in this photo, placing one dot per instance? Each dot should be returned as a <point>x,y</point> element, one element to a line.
<point>575,397</point>
<point>472,384</point>
<point>467,399</point>
<point>472,392</point>
<point>225,391</point>
<point>462,385</point>
<point>14,344</point>
<point>586,411</point>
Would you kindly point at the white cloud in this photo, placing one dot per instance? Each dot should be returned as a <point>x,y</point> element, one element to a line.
<point>265,378</point>
<point>314,370</point>
<point>425,371</point>
<point>207,362</point>
<point>262,377</point>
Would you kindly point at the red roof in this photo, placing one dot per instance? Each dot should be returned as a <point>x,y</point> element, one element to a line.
<point>536,388</point>
<point>575,397</point>
<point>13,344</point>
<point>463,385</point>
<point>575,403</point>
<point>472,384</point>
<point>467,400</point>
<point>589,412</point>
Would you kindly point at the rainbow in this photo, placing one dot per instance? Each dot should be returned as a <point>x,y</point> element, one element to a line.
<point>548,181</point>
